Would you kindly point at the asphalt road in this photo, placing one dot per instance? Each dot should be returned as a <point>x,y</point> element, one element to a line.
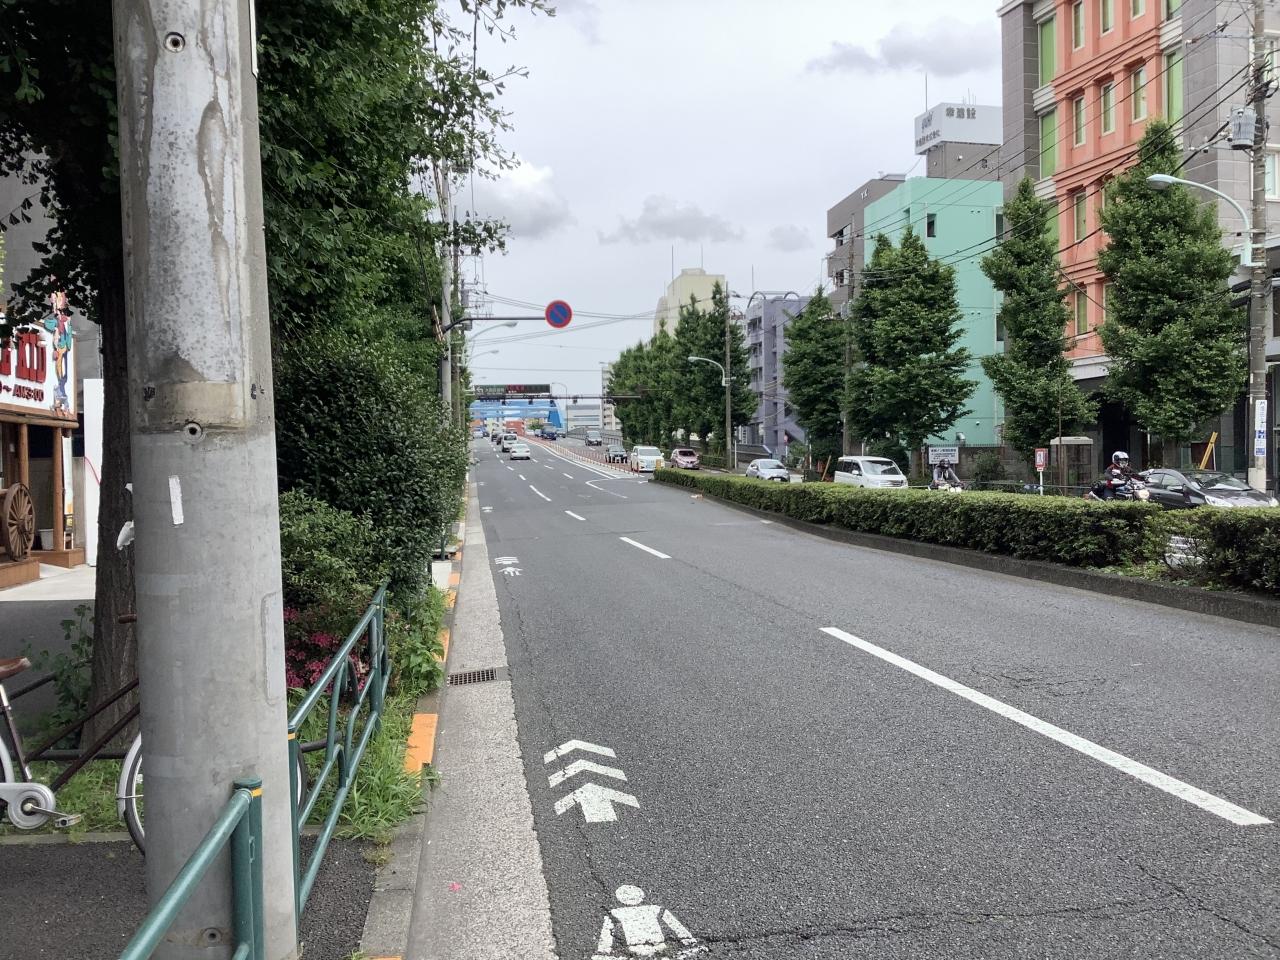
<point>837,752</point>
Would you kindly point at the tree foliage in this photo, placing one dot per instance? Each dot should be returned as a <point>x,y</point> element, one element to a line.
<point>909,382</point>
<point>813,374</point>
<point>1175,342</point>
<point>1032,376</point>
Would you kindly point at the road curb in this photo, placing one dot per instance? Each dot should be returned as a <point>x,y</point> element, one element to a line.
<point>395,885</point>
<point>1231,606</point>
<point>586,461</point>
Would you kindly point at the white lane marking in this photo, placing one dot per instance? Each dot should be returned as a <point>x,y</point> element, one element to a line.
<point>596,802</point>
<point>571,745</point>
<point>548,466</point>
<point>592,485</point>
<point>579,766</point>
<point>506,561</point>
<point>574,515</point>
<point>634,543</point>
<point>1140,771</point>
<point>521,476</point>
<point>641,926</point>
<point>569,475</point>
<point>539,493</point>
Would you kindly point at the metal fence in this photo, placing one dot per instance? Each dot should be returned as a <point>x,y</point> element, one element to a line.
<point>239,827</point>
<point>343,745</point>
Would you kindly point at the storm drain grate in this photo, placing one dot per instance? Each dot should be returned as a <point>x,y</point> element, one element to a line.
<point>473,676</point>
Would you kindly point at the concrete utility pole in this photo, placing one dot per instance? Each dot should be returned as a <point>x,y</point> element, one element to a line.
<point>446,305</point>
<point>730,458</point>
<point>1260,275</point>
<point>210,620</point>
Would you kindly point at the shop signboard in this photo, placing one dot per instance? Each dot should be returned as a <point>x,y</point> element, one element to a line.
<point>37,368</point>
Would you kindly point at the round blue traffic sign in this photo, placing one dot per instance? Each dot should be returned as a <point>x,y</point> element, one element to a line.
<point>558,314</point>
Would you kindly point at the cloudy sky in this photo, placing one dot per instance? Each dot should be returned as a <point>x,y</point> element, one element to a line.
<point>722,129</point>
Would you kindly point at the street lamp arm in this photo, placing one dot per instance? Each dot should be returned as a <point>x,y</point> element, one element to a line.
<point>724,377</point>
<point>1162,181</point>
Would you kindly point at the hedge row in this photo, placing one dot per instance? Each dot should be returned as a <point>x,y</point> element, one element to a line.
<point>1238,549</point>
<point>1079,533</point>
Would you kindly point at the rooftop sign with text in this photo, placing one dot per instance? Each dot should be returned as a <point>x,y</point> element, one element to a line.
<point>959,123</point>
<point>495,390</point>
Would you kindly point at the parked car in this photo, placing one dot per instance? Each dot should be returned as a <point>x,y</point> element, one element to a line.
<point>645,459</point>
<point>548,433</point>
<point>684,458</point>
<point>594,439</point>
<point>615,453</point>
<point>766,469</point>
<point>1182,489</point>
<point>520,451</point>
<point>507,440</point>
<point>874,473</point>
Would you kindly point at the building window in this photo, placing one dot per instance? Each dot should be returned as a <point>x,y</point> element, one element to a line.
<point>1106,302</point>
<point>1048,36</point>
<point>1172,8</point>
<point>1107,17</point>
<point>1269,46</point>
<point>999,330</point>
<point>1048,144</point>
<point>1137,8</point>
<point>1077,119</point>
<point>1138,93</point>
<point>999,224</point>
<point>1273,161</point>
<point>1078,219</point>
<point>1082,313</point>
<point>931,225</point>
<point>1077,25</point>
<point>1108,107</point>
<point>1173,86</point>
<point>1102,199</point>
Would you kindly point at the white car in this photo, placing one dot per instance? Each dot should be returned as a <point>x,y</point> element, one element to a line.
<point>766,469</point>
<point>507,440</point>
<point>645,459</point>
<point>873,473</point>
<point>520,451</point>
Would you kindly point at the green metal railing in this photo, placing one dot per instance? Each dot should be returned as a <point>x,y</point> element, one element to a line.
<point>343,748</point>
<point>239,827</point>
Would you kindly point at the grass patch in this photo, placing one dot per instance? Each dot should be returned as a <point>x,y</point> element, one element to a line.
<point>91,792</point>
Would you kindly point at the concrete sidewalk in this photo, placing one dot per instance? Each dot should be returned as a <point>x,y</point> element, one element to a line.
<point>481,894</point>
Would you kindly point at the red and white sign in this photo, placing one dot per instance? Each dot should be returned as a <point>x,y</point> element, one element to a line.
<point>1042,459</point>
<point>37,368</point>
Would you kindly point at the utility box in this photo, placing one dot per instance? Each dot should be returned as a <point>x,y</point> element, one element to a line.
<point>1244,121</point>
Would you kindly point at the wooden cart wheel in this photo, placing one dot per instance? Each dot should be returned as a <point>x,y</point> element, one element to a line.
<point>19,517</point>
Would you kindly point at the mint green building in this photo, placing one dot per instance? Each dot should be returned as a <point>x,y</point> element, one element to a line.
<point>958,220</point>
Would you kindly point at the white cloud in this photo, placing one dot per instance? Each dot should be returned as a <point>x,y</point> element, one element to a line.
<point>663,218</point>
<point>791,238</point>
<point>527,199</point>
<point>943,48</point>
<point>584,15</point>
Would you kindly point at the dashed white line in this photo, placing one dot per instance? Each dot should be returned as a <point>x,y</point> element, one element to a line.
<point>548,466</point>
<point>539,493</point>
<point>1140,771</point>
<point>521,476</point>
<point>592,485</point>
<point>574,515</point>
<point>657,553</point>
<point>569,475</point>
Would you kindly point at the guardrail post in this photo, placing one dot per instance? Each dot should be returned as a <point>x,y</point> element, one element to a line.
<point>246,873</point>
<point>377,661</point>
<point>295,812</point>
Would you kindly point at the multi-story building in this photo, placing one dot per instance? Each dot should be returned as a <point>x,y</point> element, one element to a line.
<point>692,283</point>
<point>1082,78</point>
<point>608,412</point>
<point>774,423</point>
<point>957,219</point>
<point>845,223</point>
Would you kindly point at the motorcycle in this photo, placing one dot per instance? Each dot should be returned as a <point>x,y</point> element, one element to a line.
<point>946,487</point>
<point>1133,489</point>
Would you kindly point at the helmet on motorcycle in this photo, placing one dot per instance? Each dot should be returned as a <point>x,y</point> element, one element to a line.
<point>944,463</point>
<point>1120,458</point>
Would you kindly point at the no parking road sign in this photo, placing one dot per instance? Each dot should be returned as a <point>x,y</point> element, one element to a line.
<point>558,314</point>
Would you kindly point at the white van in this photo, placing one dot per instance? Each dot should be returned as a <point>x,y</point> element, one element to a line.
<point>874,473</point>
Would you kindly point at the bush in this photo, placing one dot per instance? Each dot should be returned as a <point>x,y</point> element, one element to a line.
<point>358,430</point>
<point>987,469</point>
<point>1061,530</point>
<point>1236,548</point>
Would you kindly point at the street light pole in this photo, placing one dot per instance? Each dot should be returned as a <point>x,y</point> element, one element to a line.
<point>728,402</point>
<point>1254,256</point>
<point>207,551</point>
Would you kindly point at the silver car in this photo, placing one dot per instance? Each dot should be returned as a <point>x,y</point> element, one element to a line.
<point>766,469</point>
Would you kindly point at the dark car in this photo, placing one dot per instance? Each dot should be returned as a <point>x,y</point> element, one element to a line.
<point>594,439</point>
<point>615,453</point>
<point>548,433</point>
<point>1181,489</point>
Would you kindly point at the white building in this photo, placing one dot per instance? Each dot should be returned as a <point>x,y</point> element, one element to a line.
<point>693,282</point>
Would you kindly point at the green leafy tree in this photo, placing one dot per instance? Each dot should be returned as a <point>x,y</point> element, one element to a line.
<point>699,392</point>
<point>1032,376</point>
<point>1174,339</point>
<point>813,373</point>
<point>909,383</point>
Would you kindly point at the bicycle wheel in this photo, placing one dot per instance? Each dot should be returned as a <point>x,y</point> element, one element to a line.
<point>6,773</point>
<point>130,794</point>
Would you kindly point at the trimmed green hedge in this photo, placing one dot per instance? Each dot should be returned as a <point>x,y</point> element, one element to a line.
<point>1237,549</point>
<point>1076,532</point>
